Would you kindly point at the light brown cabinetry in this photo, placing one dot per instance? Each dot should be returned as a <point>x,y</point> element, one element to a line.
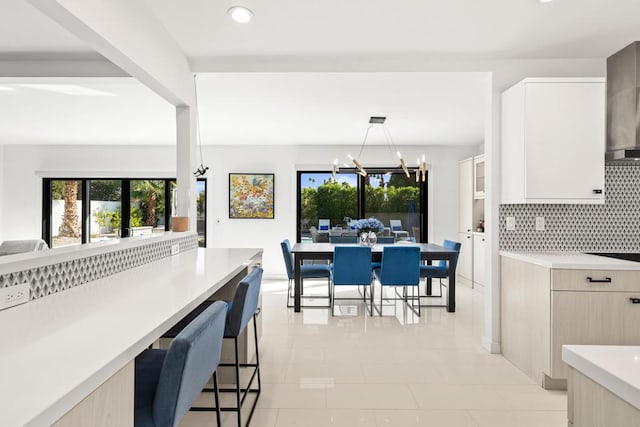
<point>543,309</point>
<point>592,405</point>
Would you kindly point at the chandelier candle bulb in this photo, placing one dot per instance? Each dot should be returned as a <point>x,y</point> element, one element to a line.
<point>404,167</point>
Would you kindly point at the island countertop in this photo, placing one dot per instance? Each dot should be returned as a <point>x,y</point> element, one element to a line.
<point>614,367</point>
<point>572,261</point>
<point>56,350</point>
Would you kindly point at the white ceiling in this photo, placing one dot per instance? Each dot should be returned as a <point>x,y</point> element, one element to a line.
<point>126,112</point>
<point>487,29</point>
<point>24,29</point>
<point>309,108</point>
<point>252,108</point>
<point>334,108</point>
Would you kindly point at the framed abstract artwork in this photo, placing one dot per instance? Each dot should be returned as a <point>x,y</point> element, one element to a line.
<point>251,195</point>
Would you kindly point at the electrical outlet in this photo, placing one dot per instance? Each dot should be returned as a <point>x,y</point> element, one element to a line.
<point>175,249</point>
<point>539,223</point>
<point>14,295</point>
<point>511,223</point>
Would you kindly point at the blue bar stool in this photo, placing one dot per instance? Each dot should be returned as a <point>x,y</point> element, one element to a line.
<point>168,381</point>
<point>243,308</point>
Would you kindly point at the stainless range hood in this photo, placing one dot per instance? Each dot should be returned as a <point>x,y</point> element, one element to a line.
<point>623,111</point>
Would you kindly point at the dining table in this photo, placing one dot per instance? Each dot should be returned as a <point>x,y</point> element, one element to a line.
<point>324,251</point>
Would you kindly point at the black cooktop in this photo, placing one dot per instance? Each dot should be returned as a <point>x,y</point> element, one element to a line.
<point>627,256</point>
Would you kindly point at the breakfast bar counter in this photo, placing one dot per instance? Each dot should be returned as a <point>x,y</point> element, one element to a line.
<point>604,385</point>
<point>57,350</point>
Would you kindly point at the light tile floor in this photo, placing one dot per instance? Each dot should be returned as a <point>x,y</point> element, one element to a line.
<point>396,370</point>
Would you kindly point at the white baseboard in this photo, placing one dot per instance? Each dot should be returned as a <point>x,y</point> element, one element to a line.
<point>491,346</point>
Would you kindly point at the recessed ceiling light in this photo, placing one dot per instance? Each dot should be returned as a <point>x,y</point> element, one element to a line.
<point>240,14</point>
<point>67,89</point>
<point>545,1</point>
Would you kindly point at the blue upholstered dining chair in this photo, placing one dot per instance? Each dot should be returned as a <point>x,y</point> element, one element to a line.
<point>343,239</point>
<point>400,268</point>
<point>168,381</point>
<point>440,270</point>
<point>307,271</point>
<point>352,267</point>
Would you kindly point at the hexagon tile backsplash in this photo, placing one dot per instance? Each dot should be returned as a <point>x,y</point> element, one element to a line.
<point>612,227</point>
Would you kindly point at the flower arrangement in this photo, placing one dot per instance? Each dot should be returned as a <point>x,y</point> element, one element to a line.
<point>370,224</point>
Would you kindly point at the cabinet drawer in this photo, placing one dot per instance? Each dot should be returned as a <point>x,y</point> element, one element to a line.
<point>601,280</point>
<point>591,318</point>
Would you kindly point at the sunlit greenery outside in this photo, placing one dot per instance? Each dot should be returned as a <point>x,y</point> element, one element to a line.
<point>386,197</point>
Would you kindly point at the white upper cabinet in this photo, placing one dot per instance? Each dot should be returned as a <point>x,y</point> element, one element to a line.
<point>553,141</point>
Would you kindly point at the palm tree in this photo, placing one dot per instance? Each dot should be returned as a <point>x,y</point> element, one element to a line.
<point>150,194</point>
<point>70,226</point>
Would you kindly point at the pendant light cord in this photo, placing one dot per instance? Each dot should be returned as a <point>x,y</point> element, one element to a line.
<point>202,170</point>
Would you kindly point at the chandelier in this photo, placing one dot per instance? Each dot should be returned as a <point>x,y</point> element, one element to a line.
<point>421,167</point>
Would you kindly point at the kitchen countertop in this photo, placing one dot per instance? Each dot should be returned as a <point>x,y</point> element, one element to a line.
<point>573,261</point>
<point>58,349</point>
<point>616,368</point>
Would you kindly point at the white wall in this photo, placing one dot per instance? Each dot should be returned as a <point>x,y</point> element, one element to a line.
<point>284,161</point>
<point>23,166</point>
<point>2,202</point>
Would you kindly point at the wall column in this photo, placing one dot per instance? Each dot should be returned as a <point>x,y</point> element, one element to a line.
<point>186,163</point>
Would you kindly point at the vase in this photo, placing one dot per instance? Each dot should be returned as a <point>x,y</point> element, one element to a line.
<point>368,238</point>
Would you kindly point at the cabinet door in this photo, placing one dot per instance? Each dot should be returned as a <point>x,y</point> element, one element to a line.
<point>465,260</point>
<point>465,196</point>
<point>478,177</point>
<point>604,318</point>
<point>564,140</point>
<point>478,259</point>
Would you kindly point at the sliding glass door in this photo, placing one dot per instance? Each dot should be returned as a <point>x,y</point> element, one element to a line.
<point>76,211</point>
<point>387,194</point>
<point>321,196</point>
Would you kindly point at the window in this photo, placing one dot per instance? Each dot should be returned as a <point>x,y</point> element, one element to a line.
<point>321,196</point>
<point>386,195</point>
<point>65,201</point>
<point>105,209</point>
<point>77,211</point>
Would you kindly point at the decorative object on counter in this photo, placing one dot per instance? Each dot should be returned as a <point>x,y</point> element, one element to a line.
<point>367,228</point>
<point>180,223</point>
<point>251,195</point>
<point>480,227</point>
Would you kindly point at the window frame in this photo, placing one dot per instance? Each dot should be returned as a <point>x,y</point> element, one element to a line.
<point>125,200</point>
<point>361,192</point>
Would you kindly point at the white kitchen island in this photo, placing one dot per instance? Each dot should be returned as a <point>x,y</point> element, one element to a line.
<point>604,385</point>
<point>78,345</point>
